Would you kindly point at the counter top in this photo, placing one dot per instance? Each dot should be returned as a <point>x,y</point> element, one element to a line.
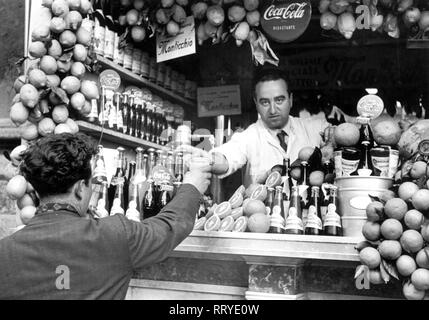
<point>267,248</point>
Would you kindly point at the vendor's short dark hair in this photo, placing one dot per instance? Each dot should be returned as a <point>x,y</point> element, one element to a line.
<point>268,74</point>
<point>55,163</point>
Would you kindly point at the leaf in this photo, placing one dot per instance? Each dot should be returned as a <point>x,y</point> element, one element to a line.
<point>66,57</point>
<point>360,270</point>
<point>390,268</point>
<point>384,274</point>
<point>60,93</point>
<point>375,198</point>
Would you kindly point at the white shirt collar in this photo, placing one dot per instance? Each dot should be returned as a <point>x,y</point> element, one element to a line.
<point>274,132</point>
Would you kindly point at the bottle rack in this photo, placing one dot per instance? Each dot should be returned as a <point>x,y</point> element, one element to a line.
<point>117,137</point>
<point>137,80</point>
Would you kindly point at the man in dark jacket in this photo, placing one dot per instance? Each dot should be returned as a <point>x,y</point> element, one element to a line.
<point>64,253</point>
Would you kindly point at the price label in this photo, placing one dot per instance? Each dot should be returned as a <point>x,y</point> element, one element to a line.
<point>370,106</point>
<point>110,79</point>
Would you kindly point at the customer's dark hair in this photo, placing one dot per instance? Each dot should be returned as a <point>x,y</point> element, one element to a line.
<point>268,74</point>
<point>55,163</point>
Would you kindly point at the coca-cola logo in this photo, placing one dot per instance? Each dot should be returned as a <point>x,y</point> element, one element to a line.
<point>286,20</point>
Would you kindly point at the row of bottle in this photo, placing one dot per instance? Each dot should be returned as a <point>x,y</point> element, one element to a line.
<point>108,43</point>
<point>127,114</point>
<point>137,192</point>
<point>367,158</point>
<point>295,208</point>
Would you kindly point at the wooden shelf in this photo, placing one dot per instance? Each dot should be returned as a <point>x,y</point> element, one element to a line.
<point>116,137</point>
<point>417,44</point>
<point>135,79</point>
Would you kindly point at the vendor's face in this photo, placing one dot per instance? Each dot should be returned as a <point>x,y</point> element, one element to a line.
<point>273,103</point>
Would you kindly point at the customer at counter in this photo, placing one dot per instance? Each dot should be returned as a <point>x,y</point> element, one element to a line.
<point>64,253</point>
<point>275,136</point>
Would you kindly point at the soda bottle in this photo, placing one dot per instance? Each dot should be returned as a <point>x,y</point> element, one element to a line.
<point>130,173</point>
<point>295,201</point>
<point>139,111</point>
<point>118,201</point>
<point>125,114</point>
<point>143,121</point>
<point>294,224</point>
<point>270,200</point>
<point>332,224</point>
<point>277,220</point>
<point>103,203</point>
<point>179,170</point>
<point>99,176</point>
<point>149,123</point>
<point>329,171</point>
<point>171,164</point>
<point>314,224</point>
<point>118,178</point>
<point>133,114</point>
<point>164,197</point>
<point>109,37</point>
<point>365,131</point>
<point>365,168</point>
<point>151,163</point>
<point>119,113</point>
<point>136,189</point>
<point>150,208</point>
<point>99,28</point>
<point>304,189</point>
<point>324,199</point>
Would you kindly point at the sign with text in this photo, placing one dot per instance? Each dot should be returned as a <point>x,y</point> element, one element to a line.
<point>216,101</point>
<point>168,47</point>
<point>286,20</point>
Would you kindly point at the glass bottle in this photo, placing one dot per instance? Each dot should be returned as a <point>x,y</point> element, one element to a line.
<point>314,224</point>
<point>103,203</point>
<point>109,37</point>
<point>125,113</point>
<point>365,168</point>
<point>136,190</point>
<point>143,121</point>
<point>324,199</point>
<point>294,223</point>
<point>332,224</point>
<point>149,123</point>
<point>304,190</point>
<point>118,201</point>
<point>119,113</point>
<point>151,162</point>
<point>164,196</point>
<point>139,113</point>
<point>150,208</point>
<point>270,200</point>
<point>99,28</point>
<point>133,115</point>
<point>118,178</point>
<point>277,220</point>
<point>365,131</point>
<point>180,169</point>
<point>99,175</point>
<point>295,201</point>
<point>131,172</point>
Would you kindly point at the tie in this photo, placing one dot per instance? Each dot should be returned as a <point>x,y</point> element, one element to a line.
<point>282,136</point>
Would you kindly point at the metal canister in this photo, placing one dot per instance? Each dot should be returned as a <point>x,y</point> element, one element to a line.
<point>385,160</point>
<point>346,161</point>
<point>145,65</point>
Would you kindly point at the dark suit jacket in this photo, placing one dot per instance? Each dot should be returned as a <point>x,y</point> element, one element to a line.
<point>101,255</point>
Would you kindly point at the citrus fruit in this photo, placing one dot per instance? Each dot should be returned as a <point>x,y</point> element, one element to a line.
<point>46,127</point>
<point>260,193</point>
<point>53,80</point>
<point>375,277</point>
<point>37,49</point>
<point>29,131</point>
<point>73,20</point>
<point>60,114</point>
<point>237,213</point>
<point>58,25</point>
<point>62,128</point>
<point>27,213</point>
<point>83,37</point>
<point>19,113</point>
<point>138,33</point>
<point>295,173</point>
<point>250,189</point>
<point>412,293</point>
<point>420,279</point>
<point>16,187</point>
<point>80,53</point>
<point>391,229</point>
<point>67,39</point>
<point>396,208</point>
<point>179,14</point>
<point>420,200</point>
<point>253,207</point>
<point>274,180</point>
<point>223,210</point>
<point>60,8</point>
<point>29,95</point>
<point>19,82</point>
<point>251,5</point>
<point>30,187</point>
<point>16,154</point>
<point>78,70</point>
<point>70,84</point>
<point>259,223</point>
<point>37,78</point>
<point>240,224</point>
<point>55,50</point>
<point>213,223</point>
<point>387,132</point>
<point>215,15</point>
<point>227,224</point>
<point>48,65</point>
<point>25,201</point>
<point>422,258</point>
<point>236,13</point>
<point>346,135</point>
<point>72,125</point>
<point>210,212</point>
<point>89,90</point>
<point>375,211</point>
<point>86,110</point>
<point>241,190</point>
<point>132,17</point>
<point>253,18</point>
<point>411,241</point>
<point>305,153</point>
<point>414,219</point>
<point>172,28</point>
<point>316,178</point>
<point>199,224</point>
<point>405,265</point>
<point>77,101</point>
<point>370,257</point>
<point>407,190</point>
<point>390,249</point>
<point>387,195</point>
<point>425,232</point>
<point>418,169</point>
<point>74,4</point>
<point>64,66</point>
<point>41,33</point>
<point>236,200</point>
<point>371,231</point>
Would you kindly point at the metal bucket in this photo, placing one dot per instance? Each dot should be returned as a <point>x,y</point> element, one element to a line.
<point>353,198</point>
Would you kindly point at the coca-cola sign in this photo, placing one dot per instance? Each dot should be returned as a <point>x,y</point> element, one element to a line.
<point>286,20</point>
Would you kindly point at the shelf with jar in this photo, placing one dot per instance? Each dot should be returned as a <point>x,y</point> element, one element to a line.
<point>133,78</point>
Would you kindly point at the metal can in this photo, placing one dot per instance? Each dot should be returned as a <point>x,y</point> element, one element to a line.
<point>137,59</point>
<point>346,161</point>
<point>128,57</point>
<point>144,68</point>
<point>385,160</point>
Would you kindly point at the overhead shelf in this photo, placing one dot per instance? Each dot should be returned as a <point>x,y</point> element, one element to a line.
<point>135,79</point>
<point>116,137</point>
